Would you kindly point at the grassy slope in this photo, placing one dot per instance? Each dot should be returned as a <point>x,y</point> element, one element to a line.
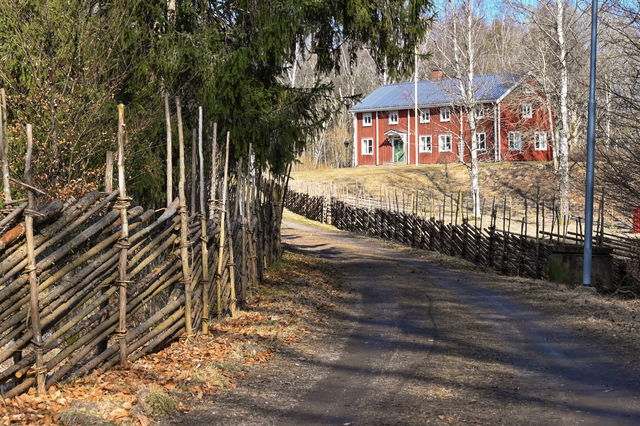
<point>496,179</point>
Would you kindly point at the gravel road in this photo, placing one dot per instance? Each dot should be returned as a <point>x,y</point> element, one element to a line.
<point>421,344</point>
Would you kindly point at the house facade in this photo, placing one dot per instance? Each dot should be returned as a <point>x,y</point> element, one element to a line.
<point>513,124</point>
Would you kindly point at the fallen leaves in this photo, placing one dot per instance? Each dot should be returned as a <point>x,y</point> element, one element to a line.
<point>293,295</point>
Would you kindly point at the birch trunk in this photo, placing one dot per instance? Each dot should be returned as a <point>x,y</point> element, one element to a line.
<point>4,146</point>
<point>563,146</point>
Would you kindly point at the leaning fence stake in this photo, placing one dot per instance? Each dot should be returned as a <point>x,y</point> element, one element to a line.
<point>184,227</point>
<point>167,117</point>
<point>34,291</point>
<point>4,146</point>
<point>123,242</point>
<point>203,234</point>
<point>223,211</point>
<point>108,173</point>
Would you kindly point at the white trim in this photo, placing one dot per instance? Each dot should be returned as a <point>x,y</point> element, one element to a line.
<point>394,132</point>
<point>428,115</point>
<point>425,151</point>
<point>442,120</point>
<point>362,146</point>
<point>485,141</point>
<point>515,134</point>
<point>432,105</point>
<point>377,141</point>
<point>546,141</point>
<point>364,121</point>
<point>496,147</point>
<point>355,141</point>
<point>397,114</point>
<point>499,132</point>
<point>528,114</point>
<point>450,142</point>
<point>461,141</point>
<point>408,148</point>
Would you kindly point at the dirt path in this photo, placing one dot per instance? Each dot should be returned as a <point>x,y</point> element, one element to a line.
<point>423,344</point>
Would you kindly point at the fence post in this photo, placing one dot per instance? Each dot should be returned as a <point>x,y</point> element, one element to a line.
<point>122,204</point>
<point>223,211</point>
<point>232,273</point>
<point>194,170</point>
<point>4,146</point>
<point>34,290</point>
<point>167,117</point>
<point>184,226</point>
<point>204,239</point>
<point>108,173</point>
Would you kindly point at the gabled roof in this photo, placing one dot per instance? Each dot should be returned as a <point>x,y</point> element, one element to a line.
<point>488,88</point>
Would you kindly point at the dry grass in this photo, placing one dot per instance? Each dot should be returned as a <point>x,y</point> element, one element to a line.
<point>279,313</point>
<point>516,180</point>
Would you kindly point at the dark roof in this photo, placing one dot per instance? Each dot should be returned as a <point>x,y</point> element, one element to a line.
<point>488,88</point>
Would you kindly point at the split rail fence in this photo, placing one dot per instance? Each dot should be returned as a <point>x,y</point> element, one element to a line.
<point>487,244</point>
<point>95,282</point>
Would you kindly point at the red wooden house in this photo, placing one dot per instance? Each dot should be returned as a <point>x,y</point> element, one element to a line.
<point>513,124</point>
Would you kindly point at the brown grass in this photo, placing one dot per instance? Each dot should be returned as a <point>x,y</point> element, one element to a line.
<point>517,180</point>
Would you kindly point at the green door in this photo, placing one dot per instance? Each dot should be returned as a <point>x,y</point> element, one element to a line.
<point>398,150</point>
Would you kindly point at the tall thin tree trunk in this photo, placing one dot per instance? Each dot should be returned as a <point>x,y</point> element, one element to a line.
<point>563,148</point>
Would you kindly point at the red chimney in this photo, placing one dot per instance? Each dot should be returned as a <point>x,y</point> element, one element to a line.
<point>437,74</point>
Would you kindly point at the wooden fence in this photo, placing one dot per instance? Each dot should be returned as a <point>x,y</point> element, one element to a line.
<point>95,282</point>
<point>490,245</point>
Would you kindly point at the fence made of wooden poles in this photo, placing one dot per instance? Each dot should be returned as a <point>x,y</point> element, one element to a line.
<point>184,225</point>
<point>34,300</point>
<point>223,212</point>
<point>232,273</point>
<point>122,204</point>
<point>204,240</point>
<point>169,179</point>
<point>108,172</point>
<point>194,170</point>
<point>214,158</point>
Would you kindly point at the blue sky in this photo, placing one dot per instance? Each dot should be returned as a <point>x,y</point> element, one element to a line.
<point>490,8</point>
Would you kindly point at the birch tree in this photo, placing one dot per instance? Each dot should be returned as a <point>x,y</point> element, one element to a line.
<point>462,28</point>
<point>555,41</point>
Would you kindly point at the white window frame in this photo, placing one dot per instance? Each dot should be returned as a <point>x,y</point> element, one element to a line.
<point>441,143</point>
<point>366,146</point>
<point>393,114</point>
<point>484,134</point>
<point>365,122</point>
<point>422,144</point>
<point>448,114</point>
<point>537,137</point>
<point>478,111</point>
<point>527,111</point>
<point>511,137</point>
<point>425,116</point>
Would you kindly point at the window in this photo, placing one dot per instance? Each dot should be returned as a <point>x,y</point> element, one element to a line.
<point>393,117</point>
<point>515,141</point>
<point>479,111</point>
<point>366,119</point>
<point>540,141</point>
<point>425,116</point>
<point>367,146</point>
<point>444,142</point>
<point>445,114</point>
<point>527,112</point>
<point>481,141</point>
<point>425,144</point>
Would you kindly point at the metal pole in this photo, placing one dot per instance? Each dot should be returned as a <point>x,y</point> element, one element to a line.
<point>591,142</point>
